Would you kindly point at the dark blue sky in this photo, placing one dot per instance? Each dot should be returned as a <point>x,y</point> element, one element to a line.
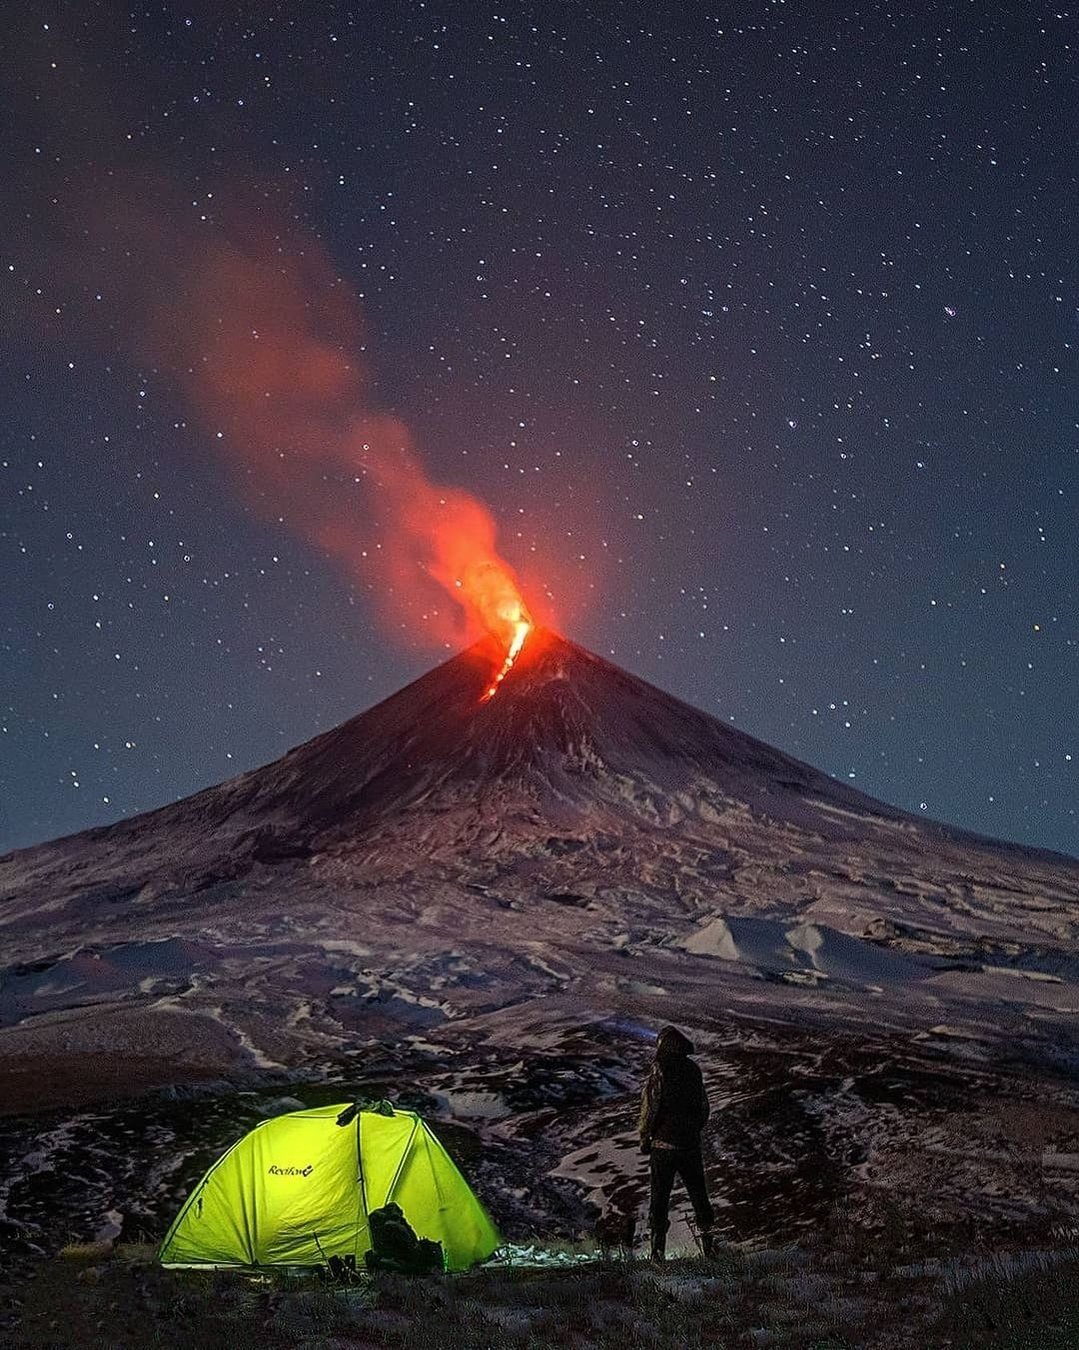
<point>755,326</point>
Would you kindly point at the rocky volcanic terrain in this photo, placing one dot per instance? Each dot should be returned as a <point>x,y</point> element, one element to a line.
<point>486,909</point>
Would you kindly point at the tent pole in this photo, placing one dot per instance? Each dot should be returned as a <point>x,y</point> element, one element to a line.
<point>404,1159</point>
<point>362,1187</point>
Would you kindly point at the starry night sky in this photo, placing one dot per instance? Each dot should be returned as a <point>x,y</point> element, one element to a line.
<point>754,324</point>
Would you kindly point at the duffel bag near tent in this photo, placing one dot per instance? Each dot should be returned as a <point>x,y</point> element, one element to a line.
<point>298,1189</point>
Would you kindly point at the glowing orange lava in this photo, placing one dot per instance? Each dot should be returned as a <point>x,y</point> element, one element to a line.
<point>466,562</point>
<point>522,626</point>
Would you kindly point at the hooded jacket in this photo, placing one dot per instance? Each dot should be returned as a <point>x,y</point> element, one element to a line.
<point>674,1104</point>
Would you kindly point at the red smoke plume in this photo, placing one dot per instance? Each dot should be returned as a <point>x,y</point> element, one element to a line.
<point>266,340</point>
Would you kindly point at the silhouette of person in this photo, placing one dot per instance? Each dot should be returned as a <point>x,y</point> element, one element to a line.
<point>674,1110</point>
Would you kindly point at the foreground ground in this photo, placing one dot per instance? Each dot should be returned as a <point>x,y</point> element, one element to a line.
<point>870,1191</point>
<point>831,1297</point>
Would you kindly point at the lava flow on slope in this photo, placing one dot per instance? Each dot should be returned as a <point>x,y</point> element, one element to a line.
<point>465,561</point>
<point>521,629</point>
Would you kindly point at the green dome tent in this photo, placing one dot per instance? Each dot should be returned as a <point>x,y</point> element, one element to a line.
<point>298,1188</point>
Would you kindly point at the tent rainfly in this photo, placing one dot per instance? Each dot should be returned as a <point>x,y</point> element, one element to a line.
<point>298,1188</point>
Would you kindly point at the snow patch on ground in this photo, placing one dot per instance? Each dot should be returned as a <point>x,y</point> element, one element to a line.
<point>472,1105</point>
<point>778,947</point>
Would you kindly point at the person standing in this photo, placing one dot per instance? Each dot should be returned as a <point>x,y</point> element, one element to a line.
<point>674,1111</point>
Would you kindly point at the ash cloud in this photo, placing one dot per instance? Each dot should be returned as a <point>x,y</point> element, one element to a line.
<point>264,340</point>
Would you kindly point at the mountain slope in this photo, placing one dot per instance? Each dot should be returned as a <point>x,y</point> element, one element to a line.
<point>565,727</point>
<point>571,749</point>
<point>580,815</point>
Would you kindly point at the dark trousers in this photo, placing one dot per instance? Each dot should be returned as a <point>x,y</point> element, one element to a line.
<point>665,1165</point>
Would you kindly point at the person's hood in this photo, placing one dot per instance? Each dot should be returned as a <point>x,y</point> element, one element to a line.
<point>671,1042</point>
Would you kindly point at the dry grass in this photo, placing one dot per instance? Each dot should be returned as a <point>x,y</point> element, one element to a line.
<point>784,1298</point>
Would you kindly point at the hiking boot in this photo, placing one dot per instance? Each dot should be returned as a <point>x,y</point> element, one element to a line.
<point>708,1245</point>
<point>659,1251</point>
